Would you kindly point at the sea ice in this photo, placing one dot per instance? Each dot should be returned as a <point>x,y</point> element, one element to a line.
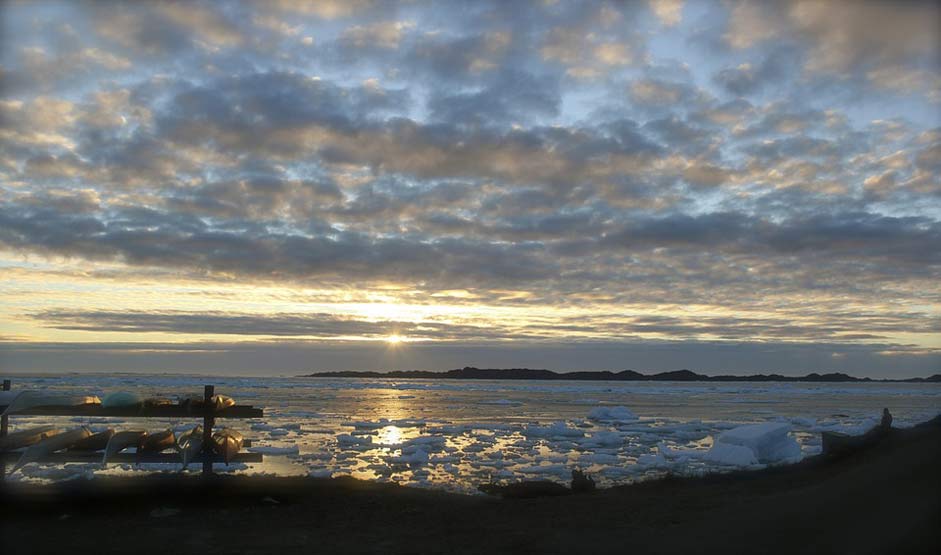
<point>418,456</point>
<point>599,458</point>
<point>731,455</point>
<point>602,439</point>
<point>679,454</point>
<point>611,414</point>
<point>556,429</point>
<point>351,440</point>
<point>652,459</point>
<point>803,422</point>
<point>369,425</point>
<point>769,442</point>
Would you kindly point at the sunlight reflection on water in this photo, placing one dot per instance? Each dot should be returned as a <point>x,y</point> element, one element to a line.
<point>457,434</point>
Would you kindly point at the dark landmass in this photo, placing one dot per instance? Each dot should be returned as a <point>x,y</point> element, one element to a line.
<point>471,373</point>
<point>882,499</point>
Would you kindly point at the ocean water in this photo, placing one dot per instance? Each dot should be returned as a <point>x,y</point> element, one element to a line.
<point>455,435</point>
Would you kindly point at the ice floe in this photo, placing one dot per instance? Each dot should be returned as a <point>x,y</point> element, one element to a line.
<point>508,430</point>
<point>730,455</point>
<point>769,442</point>
<point>611,414</point>
<point>554,430</point>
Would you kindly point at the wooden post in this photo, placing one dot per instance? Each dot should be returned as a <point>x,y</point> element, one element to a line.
<point>208,422</point>
<point>4,424</point>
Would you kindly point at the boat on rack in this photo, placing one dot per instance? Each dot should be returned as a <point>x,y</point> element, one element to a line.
<point>121,441</point>
<point>25,438</point>
<point>227,443</point>
<point>55,443</point>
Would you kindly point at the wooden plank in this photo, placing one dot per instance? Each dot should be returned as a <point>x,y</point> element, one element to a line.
<point>246,444</point>
<point>95,457</point>
<point>4,420</point>
<point>4,425</point>
<point>172,411</point>
<point>208,423</point>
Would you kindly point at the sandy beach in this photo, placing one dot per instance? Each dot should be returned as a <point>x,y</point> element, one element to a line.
<point>885,499</point>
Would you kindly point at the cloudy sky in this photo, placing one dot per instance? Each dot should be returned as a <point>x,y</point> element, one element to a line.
<point>277,187</point>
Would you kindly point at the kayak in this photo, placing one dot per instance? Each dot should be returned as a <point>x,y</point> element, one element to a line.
<point>152,402</point>
<point>55,443</point>
<point>94,442</point>
<point>121,441</point>
<point>192,402</point>
<point>220,402</point>
<point>25,438</point>
<point>120,399</point>
<point>155,443</point>
<point>190,444</point>
<point>227,443</point>
<point>29,399</point>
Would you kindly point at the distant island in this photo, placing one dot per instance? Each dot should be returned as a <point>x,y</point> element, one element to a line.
<point>471,373</point>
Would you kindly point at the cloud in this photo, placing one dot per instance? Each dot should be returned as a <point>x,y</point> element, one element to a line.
<point>385,34</point>
<point>871,38</point>
<point>162,29</point>
<point>592,157</point>
<point>669,12</point>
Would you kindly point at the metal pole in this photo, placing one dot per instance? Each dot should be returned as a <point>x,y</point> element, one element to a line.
<point>208,422</point>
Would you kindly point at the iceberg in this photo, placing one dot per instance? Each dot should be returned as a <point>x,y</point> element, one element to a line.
<point>768,442</point>
<point>731,455</point>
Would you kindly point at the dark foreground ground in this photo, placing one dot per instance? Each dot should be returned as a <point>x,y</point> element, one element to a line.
<point>886,499</point>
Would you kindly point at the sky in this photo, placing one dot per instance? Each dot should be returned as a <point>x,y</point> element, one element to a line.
<point>279,187</point>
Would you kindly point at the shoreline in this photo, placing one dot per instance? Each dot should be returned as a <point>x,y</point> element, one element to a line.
<point>880,499</point>
<point>680,376</point>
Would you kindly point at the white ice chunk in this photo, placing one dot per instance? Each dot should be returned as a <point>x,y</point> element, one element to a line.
<point>599,458</point>
<point>347,440</point>
<point>731,455</point>
<point>603,439</point>
<point>556,429</point>
<point>652,459</point>
<point>769,442</point>
<point>804,422</point>
<point>611,414</point>
<point>369,425</point>
<point>418,456</point>
<point>674,453</point>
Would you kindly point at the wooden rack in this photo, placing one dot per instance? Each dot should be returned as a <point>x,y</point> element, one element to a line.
<point>207,413</point>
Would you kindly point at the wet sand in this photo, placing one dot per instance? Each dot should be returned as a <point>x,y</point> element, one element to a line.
<point>886,499</point>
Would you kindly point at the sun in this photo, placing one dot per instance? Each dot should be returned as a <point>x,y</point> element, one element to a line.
<point>395,339</point>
